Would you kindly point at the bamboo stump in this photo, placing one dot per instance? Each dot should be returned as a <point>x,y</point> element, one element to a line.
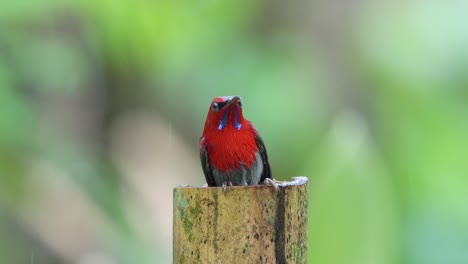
<point>245,224</point>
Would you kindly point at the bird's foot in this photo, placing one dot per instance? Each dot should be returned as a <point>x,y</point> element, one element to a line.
<point>272,182</point>
<point>225,184</point>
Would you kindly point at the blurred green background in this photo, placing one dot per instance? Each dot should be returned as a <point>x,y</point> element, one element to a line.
<point>102,104</point>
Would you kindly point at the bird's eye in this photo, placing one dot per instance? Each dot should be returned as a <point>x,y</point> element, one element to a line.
<point>215,107</point>
<point>239,103</point>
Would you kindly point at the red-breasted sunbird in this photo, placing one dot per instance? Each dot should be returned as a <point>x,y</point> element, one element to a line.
<point>231,149</point>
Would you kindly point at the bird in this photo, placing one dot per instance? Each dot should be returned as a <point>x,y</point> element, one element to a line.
<point>232,153</point>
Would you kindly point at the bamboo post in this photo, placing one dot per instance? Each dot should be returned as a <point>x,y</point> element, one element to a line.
<point>245,224</point>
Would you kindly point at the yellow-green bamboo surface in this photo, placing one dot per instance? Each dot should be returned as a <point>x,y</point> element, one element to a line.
<point>244,224</point>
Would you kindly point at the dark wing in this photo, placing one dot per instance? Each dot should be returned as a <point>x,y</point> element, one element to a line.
<point>205,162</point>
<point>263,153</point>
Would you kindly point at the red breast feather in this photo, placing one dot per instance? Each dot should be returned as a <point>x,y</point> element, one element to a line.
<point>230,147</point>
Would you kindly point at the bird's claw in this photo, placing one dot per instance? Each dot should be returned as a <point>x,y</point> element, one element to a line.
<point>225,184</point>
<point>272,182</point>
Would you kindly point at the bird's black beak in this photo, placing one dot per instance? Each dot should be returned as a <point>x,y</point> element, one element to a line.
<point>233,100</point>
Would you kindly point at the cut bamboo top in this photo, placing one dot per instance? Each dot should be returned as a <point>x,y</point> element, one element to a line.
<point>244,224</point>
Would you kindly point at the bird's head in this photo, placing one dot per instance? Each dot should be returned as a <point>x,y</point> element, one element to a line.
<point>224,112</point>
